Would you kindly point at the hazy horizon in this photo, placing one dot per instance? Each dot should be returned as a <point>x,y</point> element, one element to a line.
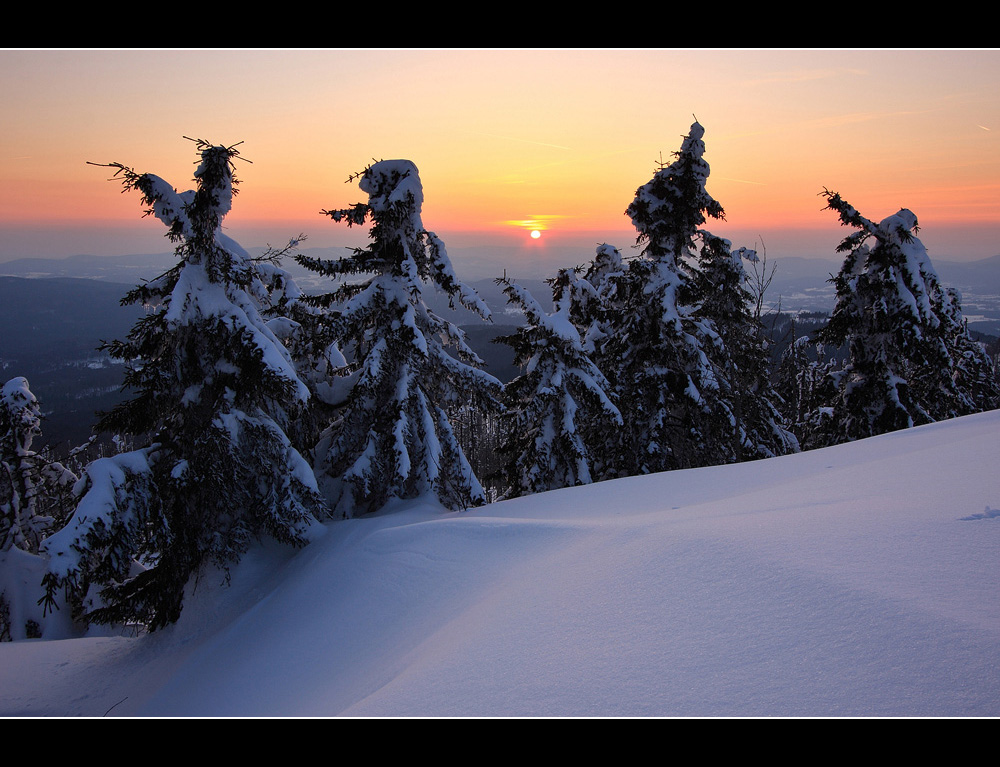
<point>470,251</point>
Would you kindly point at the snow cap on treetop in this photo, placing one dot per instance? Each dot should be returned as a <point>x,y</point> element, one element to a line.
<point>22,409</point>
<point>216,174</point>
<point>697,132</point>
<point>392,181</point>
<point>904,221</point>
<point>694,147</point>
<point>16,392</point>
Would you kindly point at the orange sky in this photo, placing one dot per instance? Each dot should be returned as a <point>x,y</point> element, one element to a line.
<point>503,137</point>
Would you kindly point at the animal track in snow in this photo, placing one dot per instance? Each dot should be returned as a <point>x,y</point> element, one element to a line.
<point>987,514</point>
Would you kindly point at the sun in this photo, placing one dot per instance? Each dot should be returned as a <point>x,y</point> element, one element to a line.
<point>535,234</point>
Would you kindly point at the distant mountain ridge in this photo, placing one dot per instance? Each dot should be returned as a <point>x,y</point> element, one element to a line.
<point>129,269</point>
<point>796,277</point>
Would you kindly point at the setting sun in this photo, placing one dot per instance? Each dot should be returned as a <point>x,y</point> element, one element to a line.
<point>535,234</point>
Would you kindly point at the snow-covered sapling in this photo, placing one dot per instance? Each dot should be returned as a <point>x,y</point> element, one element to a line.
<point>34,490</point>
<point>561,424</point>
<point>35,497</point>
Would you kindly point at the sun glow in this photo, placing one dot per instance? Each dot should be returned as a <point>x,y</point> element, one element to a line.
<point>535,225</point>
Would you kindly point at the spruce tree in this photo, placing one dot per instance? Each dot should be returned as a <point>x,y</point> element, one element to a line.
<point>806,380</point>
<point>304,329</point>
<point>750,426</point>
<point>665,381</point>
<point>559,418</point>
<point>35,497</point>
<point>975,372</point>
<point>35,492</point>
<point>911,358</point>
<point>213,391</point>
<point>594,308</point>
<point>391,436</point>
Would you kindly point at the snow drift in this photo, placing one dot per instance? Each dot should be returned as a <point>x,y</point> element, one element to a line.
<point>856,580</point>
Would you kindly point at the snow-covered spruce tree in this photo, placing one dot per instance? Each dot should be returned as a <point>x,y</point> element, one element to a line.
<point>391,437</point>
<point>740,355</point>
<point>213,392</point>
<point>805,379</point>
<point>975,372</point>
<point>911,358</point>
<point>558,410</point>
<point>594,308</point>
<point>305,331</point>
<point>35,492</point>
<point>35,497</point>
<point>666,384</point>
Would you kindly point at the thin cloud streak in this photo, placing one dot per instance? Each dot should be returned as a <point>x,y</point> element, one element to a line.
<point>835,121</point>
<point>537,221</point>
<point>739,180</point>
<point>801,76</point>
<point>525,141</point>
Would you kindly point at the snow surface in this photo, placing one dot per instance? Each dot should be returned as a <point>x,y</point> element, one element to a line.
<point>856,580</point>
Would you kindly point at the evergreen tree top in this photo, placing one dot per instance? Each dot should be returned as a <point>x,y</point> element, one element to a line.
<point>669,210</point>
<point>196,210</point>
<point>607,261</point>
<point>214,282</point>
<point>393,184</point>
<point>400,246</point>
<point>20,415</point>
<point>896,229</point>
<point>557,324</point>
<point>897,258</point>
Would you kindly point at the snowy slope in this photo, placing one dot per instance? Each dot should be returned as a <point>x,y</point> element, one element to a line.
<point>861,580</point>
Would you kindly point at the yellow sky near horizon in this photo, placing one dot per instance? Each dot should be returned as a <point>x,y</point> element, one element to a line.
<point>507,140</point>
